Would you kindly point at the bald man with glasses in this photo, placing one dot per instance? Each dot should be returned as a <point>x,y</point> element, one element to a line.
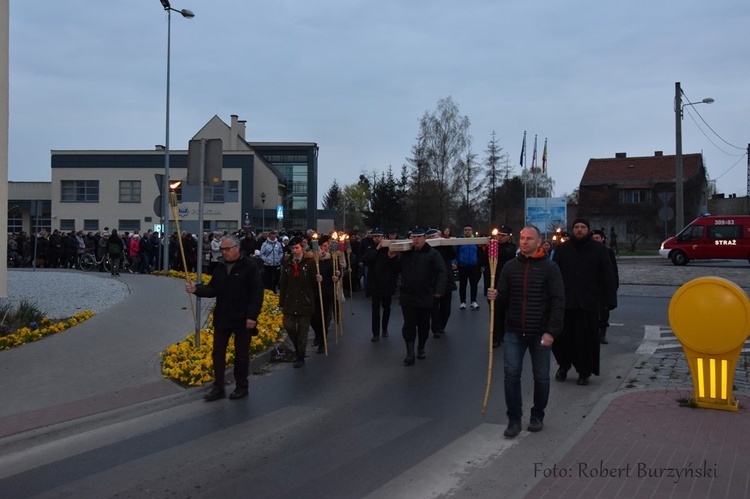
<point>237,285</point>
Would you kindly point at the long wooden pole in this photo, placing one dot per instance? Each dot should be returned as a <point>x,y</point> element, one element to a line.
<point>173,204</point>
<point>320,292</point>
<point>349,270</point>
<point>492,250</point>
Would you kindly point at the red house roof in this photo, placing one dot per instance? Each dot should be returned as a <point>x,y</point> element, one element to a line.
<point>639,171</point>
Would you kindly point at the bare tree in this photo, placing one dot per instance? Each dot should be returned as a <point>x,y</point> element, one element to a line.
<point>442,141</point>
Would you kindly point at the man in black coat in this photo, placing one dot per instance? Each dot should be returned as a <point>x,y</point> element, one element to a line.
<point>589,284</point>
<point>423,278</point>
<point>380,285</point>
<point>238,288</point>
<point>598,235</point>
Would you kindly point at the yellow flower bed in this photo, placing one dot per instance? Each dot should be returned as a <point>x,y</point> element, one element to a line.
<point>191,366</point>
<point>45,327</point>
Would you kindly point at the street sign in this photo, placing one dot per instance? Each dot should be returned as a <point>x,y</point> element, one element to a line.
<point>213,159</point>
<point>157,205</point>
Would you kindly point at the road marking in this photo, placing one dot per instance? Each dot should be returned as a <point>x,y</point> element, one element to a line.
<point>656,338</point>
<point>443,471</point>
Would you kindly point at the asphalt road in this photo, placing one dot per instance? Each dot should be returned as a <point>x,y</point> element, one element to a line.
<point>355,424</point>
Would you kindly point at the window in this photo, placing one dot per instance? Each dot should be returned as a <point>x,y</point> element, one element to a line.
<point>227,225</point>
<point>79,191</point>
<point>691,233</point>
<point>128,225</point>
<point>234,186</point>
<point>91,224</point>
<point>635,196</point>
<point>725,232</point>
<point>130,191</point>
<point>213,194</point>
<point>67,224</point>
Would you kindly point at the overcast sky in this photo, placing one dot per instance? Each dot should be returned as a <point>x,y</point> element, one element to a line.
<point>593,77</point>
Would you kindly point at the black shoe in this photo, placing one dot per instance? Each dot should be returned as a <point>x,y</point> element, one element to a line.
<point>214,394</point>
<point>321,349</point>
<point>436,335</point>
<point>375,338</point>
<point>582,380</point>
<point>238,393</point>
<point>409,360</point>
<point>603,339</point>
<point>299,363</point>
<point>421,355</point>
<point>385,334</point>
<point>562,373</point>
<point>535,425</point>
<point>513,429</point>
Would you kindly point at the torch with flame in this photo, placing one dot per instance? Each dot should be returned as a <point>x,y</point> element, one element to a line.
<point>173,204</point>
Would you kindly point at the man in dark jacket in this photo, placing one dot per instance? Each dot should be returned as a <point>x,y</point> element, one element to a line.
<point>380,285</point>
<point>238,288</point>
<point>530,291</point>
<point>321,320</point>
<point>589,284</point>
<point>297,296</point>
<point>423,278</point>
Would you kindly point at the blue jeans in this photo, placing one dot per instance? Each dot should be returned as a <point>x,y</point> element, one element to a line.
<point>514,349</point>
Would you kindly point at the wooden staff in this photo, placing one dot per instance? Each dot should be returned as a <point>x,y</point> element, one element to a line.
<point>492,251</point>
<point>349,269</point>
<point>320,291</point>
<point>175,217</point>
<point>336,303</point>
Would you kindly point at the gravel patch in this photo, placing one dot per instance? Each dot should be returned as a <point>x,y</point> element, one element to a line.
<point>62,294</point>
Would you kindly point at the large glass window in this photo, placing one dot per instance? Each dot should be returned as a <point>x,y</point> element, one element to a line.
<point>725,232</point>
<point>130,191</point>
<point>79,191</point>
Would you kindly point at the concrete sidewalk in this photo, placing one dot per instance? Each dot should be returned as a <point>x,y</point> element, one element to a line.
<point>107,362</point>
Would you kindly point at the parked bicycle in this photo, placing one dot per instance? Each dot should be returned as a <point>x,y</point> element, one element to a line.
<point>88,261</point>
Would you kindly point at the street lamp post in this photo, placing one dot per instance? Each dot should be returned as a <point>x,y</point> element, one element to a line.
<point>165,186</point>
<point>263,209</point>
<point>679,199</point>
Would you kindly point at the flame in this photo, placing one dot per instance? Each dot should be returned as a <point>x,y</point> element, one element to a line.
<point>175,185</point>
<point>335,235</point>
<point>315,236</point>
<point>495,232</point>
<point>343,237</point>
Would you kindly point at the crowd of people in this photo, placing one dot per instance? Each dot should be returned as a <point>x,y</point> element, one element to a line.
<point>551,299</point>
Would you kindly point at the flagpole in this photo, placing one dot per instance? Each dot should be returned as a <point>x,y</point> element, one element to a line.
<point>525,181</point>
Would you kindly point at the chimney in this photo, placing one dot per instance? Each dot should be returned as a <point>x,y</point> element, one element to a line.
<point>241,127</point>
<point>658,153</point>
<point>233,132</point>
<point>621,155</point>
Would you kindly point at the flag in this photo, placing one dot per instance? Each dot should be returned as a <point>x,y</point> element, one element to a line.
<point>544,157</point>
<point>533,157</point>
<point>523,148</point>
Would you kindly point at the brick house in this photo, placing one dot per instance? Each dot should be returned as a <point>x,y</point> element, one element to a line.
<point>633,195</point>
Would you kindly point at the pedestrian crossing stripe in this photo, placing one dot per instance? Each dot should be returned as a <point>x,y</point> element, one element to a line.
<point>661,338</point>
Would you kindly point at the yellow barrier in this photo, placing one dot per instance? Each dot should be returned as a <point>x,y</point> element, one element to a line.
<point>711,318</point>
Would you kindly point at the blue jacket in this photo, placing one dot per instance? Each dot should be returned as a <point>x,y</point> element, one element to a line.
<point>467,255</point>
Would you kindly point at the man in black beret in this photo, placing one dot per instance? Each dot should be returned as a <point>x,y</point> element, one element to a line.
<point>423,278</point>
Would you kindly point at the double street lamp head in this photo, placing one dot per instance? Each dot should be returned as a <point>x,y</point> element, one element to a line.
<point>188,14</point>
